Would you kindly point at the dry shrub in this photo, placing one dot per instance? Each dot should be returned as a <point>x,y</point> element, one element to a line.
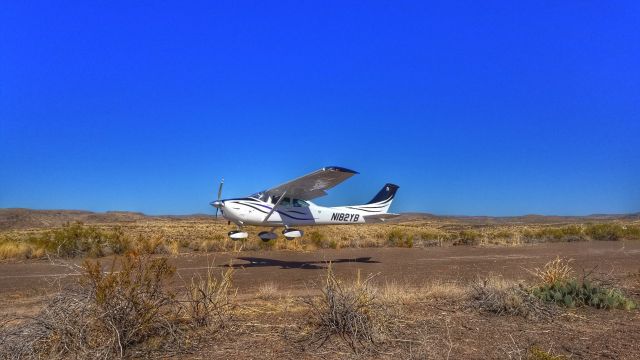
<point>348,311</point>
<point>268,291</point>
<point>19,250</point>
<point>554,271</point>
<point>537,353</point>
<point>118,314</point>
<point>443,290</point>
<point>393,293</point>
<point>211,300</point>
<point>502,298</point>
<point>149,244</point>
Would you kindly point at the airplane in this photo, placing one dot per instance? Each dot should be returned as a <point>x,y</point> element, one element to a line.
<point>289,205</point>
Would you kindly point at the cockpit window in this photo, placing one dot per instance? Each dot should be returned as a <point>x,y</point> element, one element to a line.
<point>285,202</point>
<point>300,203</point>
<point>259,195</point>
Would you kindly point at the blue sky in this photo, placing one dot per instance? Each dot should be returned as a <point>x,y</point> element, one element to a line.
<point>472,108</point>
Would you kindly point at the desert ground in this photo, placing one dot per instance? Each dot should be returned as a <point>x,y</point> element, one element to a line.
<point>435,287</point>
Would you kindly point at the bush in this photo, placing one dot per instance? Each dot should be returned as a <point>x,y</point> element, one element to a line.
<point>555,234</point>
<point>210,300</point>
<point>399,238</point>
<point>118,242</point>
<point>119,314</point>
<point>318,239</point>
<point>557,285</point>
<point>350,312</point>
<point>536,353</point>
<point>607,232</point>
<point>554,271</point>
<point>497,297</point>
<point>573,293</point>
<point>467,237</point>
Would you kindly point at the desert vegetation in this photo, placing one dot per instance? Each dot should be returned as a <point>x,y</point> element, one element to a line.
<point>75,239</point>
<point>137,307</point>
<point>127,311</point>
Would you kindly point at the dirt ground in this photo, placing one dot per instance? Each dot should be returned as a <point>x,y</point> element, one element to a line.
<point>438,328</point>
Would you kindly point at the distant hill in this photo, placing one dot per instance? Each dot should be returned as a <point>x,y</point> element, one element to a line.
<point>27,218</point>
<point>522,219</point>
<point>19,218</point>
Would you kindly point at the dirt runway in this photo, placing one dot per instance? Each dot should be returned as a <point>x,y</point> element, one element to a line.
<point>294,271</point>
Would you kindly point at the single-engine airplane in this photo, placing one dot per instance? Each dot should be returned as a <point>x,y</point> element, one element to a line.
<point>289,205</point>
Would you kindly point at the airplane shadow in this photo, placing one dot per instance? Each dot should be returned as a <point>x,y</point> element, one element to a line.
<point>309,265</point>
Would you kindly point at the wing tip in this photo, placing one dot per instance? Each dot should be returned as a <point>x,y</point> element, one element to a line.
<point>339,168</point>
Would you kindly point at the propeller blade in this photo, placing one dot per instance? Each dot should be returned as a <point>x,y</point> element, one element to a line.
<point>220,189</point>
<point>216,213</point>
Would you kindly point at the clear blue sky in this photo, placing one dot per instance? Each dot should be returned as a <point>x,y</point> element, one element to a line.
<point>472,108</point>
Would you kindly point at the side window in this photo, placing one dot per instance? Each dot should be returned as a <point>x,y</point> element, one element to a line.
<point>300,203</point>
<point>285,202</point>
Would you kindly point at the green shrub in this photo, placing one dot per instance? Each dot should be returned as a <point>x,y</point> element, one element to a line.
<point>467,237</point>
<point>399,238</point>
<point>573,293</point>
<point>631,232</point>
<point>607,232</point>
<point>118,242</point>
<point>318,239</point>
<point>536,353</point>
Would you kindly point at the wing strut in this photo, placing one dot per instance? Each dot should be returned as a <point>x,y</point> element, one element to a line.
<point>274,207</point>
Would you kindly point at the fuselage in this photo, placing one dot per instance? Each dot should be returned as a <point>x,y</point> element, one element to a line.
<point>295,212</point>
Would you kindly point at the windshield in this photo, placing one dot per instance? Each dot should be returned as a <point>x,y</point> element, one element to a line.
<point>259,195</point>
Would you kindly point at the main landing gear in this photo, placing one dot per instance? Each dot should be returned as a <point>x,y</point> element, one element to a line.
<point>238,234</point>
<point>266,236</point>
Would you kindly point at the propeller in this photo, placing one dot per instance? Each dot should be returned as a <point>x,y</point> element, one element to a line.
<point>218,203</point>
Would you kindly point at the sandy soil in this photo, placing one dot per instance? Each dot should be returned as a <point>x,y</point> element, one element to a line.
<point>451,330</point>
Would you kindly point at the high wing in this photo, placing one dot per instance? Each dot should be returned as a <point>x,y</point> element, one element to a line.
<point>312,185</point>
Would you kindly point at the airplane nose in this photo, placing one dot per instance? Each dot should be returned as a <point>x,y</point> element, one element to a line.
<point>218,204</point>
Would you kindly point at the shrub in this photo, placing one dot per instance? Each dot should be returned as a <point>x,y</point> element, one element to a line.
<point>467,237</point>
<point>268,291</point>
<point>554,271</point>
<point>318,239</point>
<point>607,232</point>
<point>350,312</point>
<point>210,300</point>
<point>118,242</point>
<point>399,238</point>
<point>119,314</point>
<point>573,293</point>
<point>494,296</point>
<point>536,353</point>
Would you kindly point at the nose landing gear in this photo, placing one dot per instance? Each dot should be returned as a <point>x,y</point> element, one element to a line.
<point>267,235</point>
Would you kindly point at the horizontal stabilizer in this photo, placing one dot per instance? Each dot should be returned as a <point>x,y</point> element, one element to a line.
<point>378,218</point>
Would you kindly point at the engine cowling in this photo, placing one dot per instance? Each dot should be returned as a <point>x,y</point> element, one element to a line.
<point>292,233</point>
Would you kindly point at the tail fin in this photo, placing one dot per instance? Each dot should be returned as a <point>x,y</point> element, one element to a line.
<point>379,205</point>
<point>385,195</point>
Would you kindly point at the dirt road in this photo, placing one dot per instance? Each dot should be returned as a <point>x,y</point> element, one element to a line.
<point>293,271</point>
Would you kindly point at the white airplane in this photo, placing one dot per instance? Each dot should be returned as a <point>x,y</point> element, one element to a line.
<point>289,205</point>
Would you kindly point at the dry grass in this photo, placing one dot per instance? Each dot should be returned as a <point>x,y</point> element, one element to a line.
<point>167,236</point>
<point>558,270</point>
<point>396,293</point>
<point>20,250</point>
<point>210,300</point>
<point>131,312</point>
<point>348,311</point>
<point>494,295</point>
<point>268,291</point>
